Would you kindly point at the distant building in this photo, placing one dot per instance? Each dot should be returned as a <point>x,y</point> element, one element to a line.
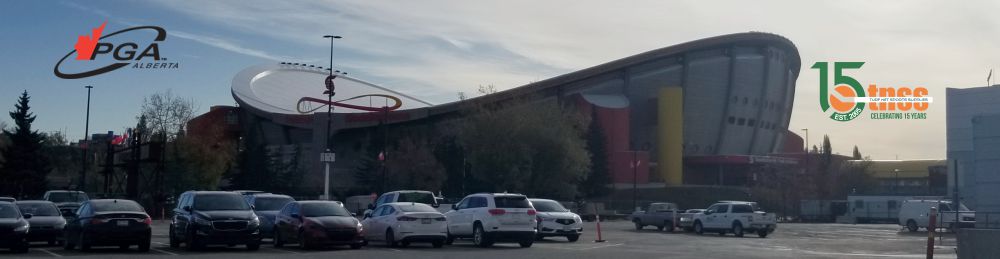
<point>973,116</point>
<point>694,113</point>
<point>919,177</point>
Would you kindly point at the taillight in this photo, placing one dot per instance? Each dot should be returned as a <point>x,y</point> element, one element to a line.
<point>147,221</point>
<point>496,212</point>
<point>406,218</point>
<point>440,219</point>
<point>532,212</point>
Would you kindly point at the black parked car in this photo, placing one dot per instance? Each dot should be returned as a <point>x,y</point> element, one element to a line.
<point>209,217</point>
<point>317,223</point>
<point>46,222</point>
<point>13,228</point>
<point>108,222</point>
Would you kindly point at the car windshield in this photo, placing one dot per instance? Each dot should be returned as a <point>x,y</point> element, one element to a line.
<point>271,203</point>
<point>227,201</point>
<point>117,205</point>
<point>38,209</point>
<point>548,206</point>
<point>324,209</point>
<point>67,197</point>
<point>416,207</point>
<point>8,211</point>
<point>514,202</point>
<point>420,197</point>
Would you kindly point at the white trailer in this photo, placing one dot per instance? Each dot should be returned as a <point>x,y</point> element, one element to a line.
<point>882,208</point>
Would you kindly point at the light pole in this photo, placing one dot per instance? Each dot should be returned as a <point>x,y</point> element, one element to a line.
<point>329,156</point>
<point>86,145</point>
<point>635,180</point>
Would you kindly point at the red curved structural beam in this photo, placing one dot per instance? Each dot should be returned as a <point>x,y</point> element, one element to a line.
<point>397,103</point>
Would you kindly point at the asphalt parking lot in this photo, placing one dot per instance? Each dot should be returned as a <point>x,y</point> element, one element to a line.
<point>622,241</point>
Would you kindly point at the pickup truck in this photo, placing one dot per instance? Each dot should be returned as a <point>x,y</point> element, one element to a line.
<point>660,214</point>
<point>737,217</point>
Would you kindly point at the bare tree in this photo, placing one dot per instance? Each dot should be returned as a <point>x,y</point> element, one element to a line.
<point>166,114</point>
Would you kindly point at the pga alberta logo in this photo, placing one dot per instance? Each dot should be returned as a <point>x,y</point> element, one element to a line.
<point>94,52</point>
<point>848,98</point>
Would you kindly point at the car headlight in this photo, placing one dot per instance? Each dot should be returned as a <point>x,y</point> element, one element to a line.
<point>685,219</point>
<point>255,221</point>
<point>577,218</point>
<point>23,227</point>
<point>360,227</point>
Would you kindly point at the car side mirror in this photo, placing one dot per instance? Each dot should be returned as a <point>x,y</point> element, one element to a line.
<point>454,206</point>
<point>27,215</point>
<point>354,214</point>
<point>296,215</point>
<point>368,215</point>
<point>186,208</point>
<point>253,207</point>
<point>436,205</point>
<point>371,206</point>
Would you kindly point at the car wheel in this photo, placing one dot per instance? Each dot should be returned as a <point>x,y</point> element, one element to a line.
<point>638,225</point>
<point>912,225</point>
<point>303,242</point>
<point>174,242</point>
<point>390,238</point>
<point>277,239</point>
<point>698,228</point>
<point>144,244</point>
<point>737,229</point>
<point>449,239</point>
<point>479,237</point>
<point>67,245</point>
<point>438,244</point>
<point>669,226</point>
<point>526,243</point>
<point>84,242</point>
<point>21,248</point>
<point>762,233</point>
<point>253,246</point>
<point>573,238</point>
<point>192,241</point>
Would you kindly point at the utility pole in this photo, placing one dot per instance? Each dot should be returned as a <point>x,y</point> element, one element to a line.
<point>86,144</point>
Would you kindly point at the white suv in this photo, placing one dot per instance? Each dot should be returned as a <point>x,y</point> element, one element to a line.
<point>493,217</point>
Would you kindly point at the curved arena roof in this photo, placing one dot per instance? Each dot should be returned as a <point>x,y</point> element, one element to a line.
<point>274,90</point>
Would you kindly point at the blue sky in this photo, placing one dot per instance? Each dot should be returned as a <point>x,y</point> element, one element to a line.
<point>434,49</point>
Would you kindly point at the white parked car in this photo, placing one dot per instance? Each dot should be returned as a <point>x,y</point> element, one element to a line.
<point>737,217</point>
<point>488,218</point>
<point>914,214</point>
<point>555,220</point>
<point>424,197</point>
<point>402,223</point>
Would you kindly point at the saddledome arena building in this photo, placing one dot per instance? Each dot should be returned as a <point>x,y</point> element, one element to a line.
<point>696,113</point>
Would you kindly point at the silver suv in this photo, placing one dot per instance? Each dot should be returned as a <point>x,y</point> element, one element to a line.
<point>488,218</point>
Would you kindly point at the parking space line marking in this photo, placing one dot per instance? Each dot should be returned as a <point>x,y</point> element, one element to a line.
<point>163,251</point>
<point>395,250</point>
<point>50,252</point>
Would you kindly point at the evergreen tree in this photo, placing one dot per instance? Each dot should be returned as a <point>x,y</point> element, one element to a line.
<point>25,170</point>
<point>857,154</point>
<point>595,185</point>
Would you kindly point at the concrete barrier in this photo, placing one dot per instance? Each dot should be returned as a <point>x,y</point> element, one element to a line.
<point>978,243</point>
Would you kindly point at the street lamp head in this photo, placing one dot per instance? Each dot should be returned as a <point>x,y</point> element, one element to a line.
<point>332,36</point>
<point>88,87</point>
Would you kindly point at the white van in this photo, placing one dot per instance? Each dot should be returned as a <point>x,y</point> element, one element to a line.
<point>914,214</point>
